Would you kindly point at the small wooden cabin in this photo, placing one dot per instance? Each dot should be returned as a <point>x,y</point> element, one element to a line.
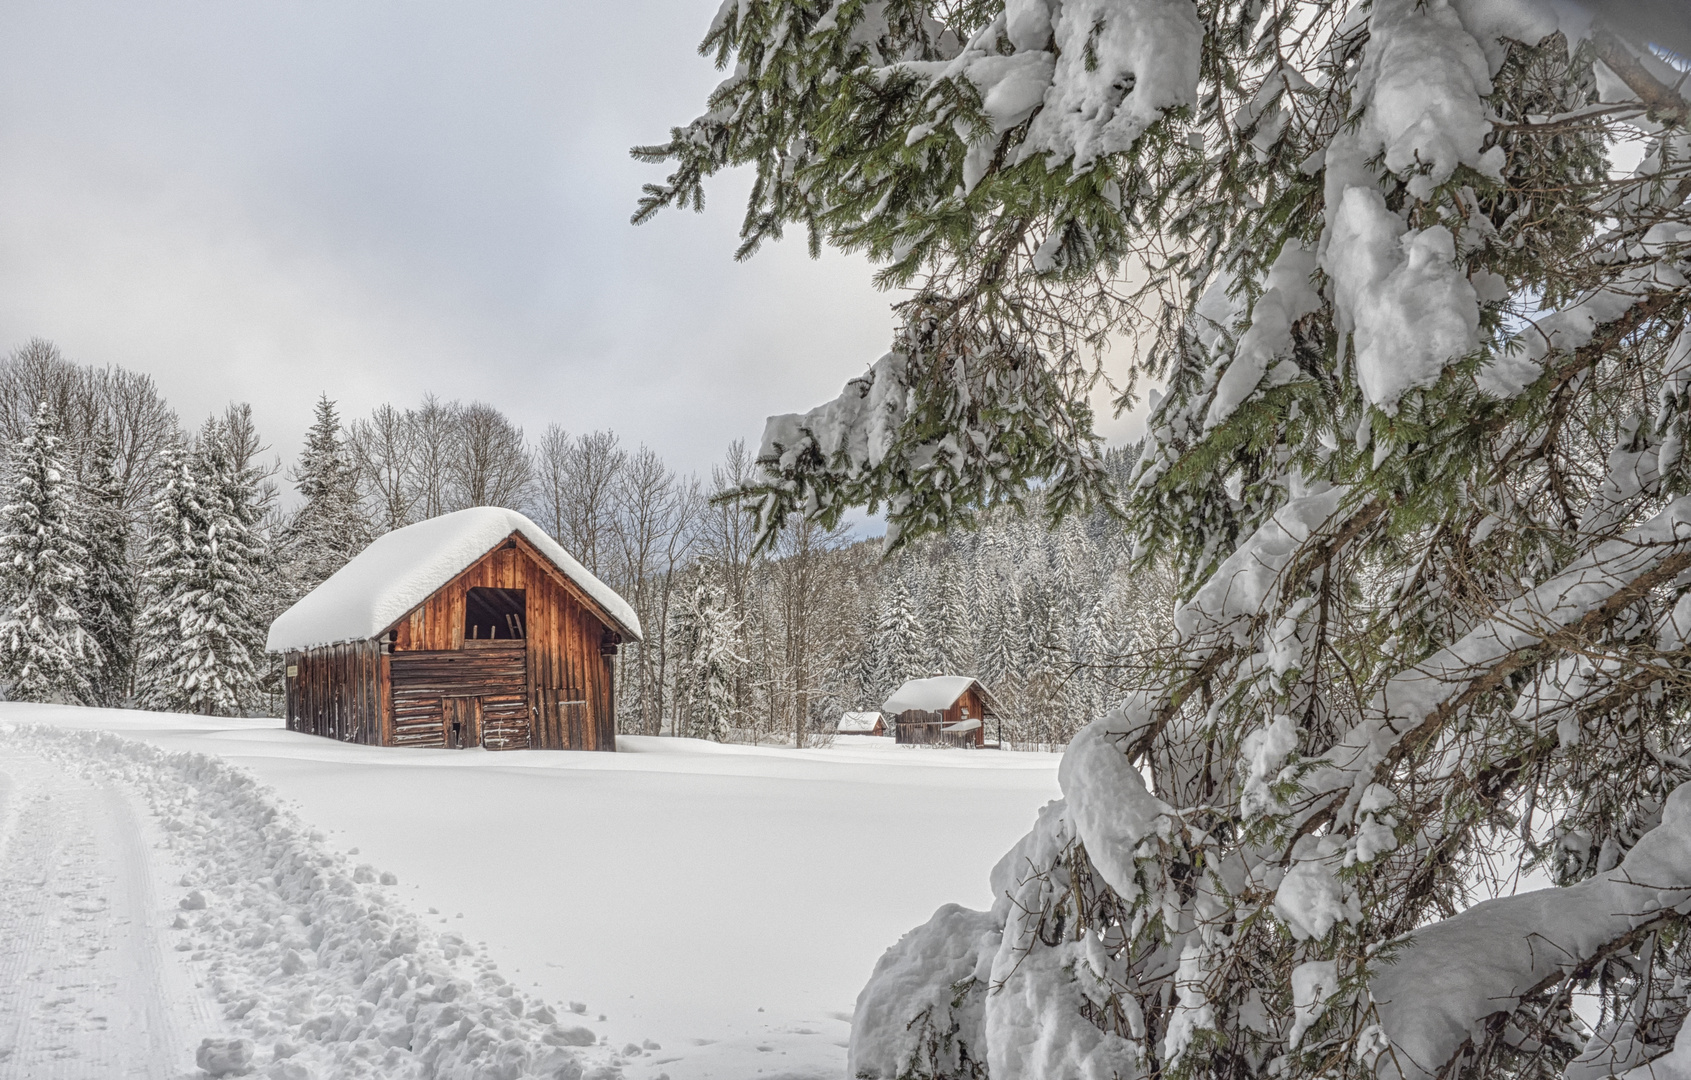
<point>470,629</point>
<point>862,723</point>
<point>945,710</point>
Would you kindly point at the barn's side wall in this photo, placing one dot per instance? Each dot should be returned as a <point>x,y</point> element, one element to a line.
<point>336,691</point>
<point>565,664</point>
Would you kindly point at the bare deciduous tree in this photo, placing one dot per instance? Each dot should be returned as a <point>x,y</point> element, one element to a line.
<point>434,429</point>
<point>382,449</point>
<point>802,575</point>
<point>654,532</point>
<point>490,465</point>
<point>87,400</point>
<point>576,492</point>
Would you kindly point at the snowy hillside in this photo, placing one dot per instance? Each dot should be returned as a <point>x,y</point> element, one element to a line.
<point>681,909</point>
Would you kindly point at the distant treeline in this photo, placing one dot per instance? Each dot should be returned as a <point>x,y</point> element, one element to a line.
<point>196,556</point>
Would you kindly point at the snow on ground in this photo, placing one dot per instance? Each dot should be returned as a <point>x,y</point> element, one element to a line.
<point>87,987</point>
<point>706,911</point>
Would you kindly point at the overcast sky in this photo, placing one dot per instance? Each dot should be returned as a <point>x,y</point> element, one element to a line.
<point>264,201</point>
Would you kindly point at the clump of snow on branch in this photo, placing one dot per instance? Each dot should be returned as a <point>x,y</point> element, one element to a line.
<point>1098,72</point>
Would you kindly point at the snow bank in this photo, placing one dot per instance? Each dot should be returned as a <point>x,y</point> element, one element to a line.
<point>316,964</point>
<point>404,567</point>
<point>920,1012</point>
<point>971,993</point>
<point>927,695</point>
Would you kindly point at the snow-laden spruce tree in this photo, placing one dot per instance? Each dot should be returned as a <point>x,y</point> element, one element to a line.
<point>1419,465</point>
<point>951,623</point>
<point>705,632</point>
<point>901,634</point>
<point>330,526</point>
<point>46,654</point>
<point>109,598</point>
<point>202,627</point>
<point>1001,654</point>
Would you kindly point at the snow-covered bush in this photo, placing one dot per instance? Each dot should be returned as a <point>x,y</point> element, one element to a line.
<point>1412,274</point>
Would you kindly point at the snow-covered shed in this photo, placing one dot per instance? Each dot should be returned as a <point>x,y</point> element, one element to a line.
<point>861,723</point>
<point>469,629</point>
<point>950,710</point>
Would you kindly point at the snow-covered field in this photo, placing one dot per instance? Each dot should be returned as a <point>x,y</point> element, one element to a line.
<point>690,910</point>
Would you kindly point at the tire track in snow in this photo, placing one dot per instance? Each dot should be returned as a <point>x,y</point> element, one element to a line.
<point>85,987</point>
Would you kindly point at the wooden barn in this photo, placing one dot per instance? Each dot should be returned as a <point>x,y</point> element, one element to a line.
<point>946,710</point>
<point>861,723</point>
<point>469,629</point>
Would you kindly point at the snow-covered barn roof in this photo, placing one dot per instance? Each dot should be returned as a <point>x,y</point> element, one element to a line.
<point>858,722</point>
<point>406,566</point>
<point>928,695</point>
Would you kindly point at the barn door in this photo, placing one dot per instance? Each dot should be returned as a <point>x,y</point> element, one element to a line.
<point>564,713</point>
<point>462,721</point>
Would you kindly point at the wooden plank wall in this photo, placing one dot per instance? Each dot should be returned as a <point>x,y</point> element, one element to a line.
<point>494,671</point>
<point>565,664</point>
<point>336,692</point>
<point>977,711</point>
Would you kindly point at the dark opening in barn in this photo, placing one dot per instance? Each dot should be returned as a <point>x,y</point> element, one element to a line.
<point>495,614</point>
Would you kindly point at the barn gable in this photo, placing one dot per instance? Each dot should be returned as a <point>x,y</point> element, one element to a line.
<point>928,695</point>
<point>403,568</point>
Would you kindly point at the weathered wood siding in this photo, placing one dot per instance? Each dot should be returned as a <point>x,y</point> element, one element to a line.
<point>494,673</point>
<point>568,697</point>
<point>977,711</point>
<point>336,692</point>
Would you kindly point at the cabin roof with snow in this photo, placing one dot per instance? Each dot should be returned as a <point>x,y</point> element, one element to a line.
<point>403,568</point>
<point>859,723</point>
<point>935,694</point>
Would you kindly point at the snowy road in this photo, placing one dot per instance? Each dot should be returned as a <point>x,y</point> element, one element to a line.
<point>89,984</point>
